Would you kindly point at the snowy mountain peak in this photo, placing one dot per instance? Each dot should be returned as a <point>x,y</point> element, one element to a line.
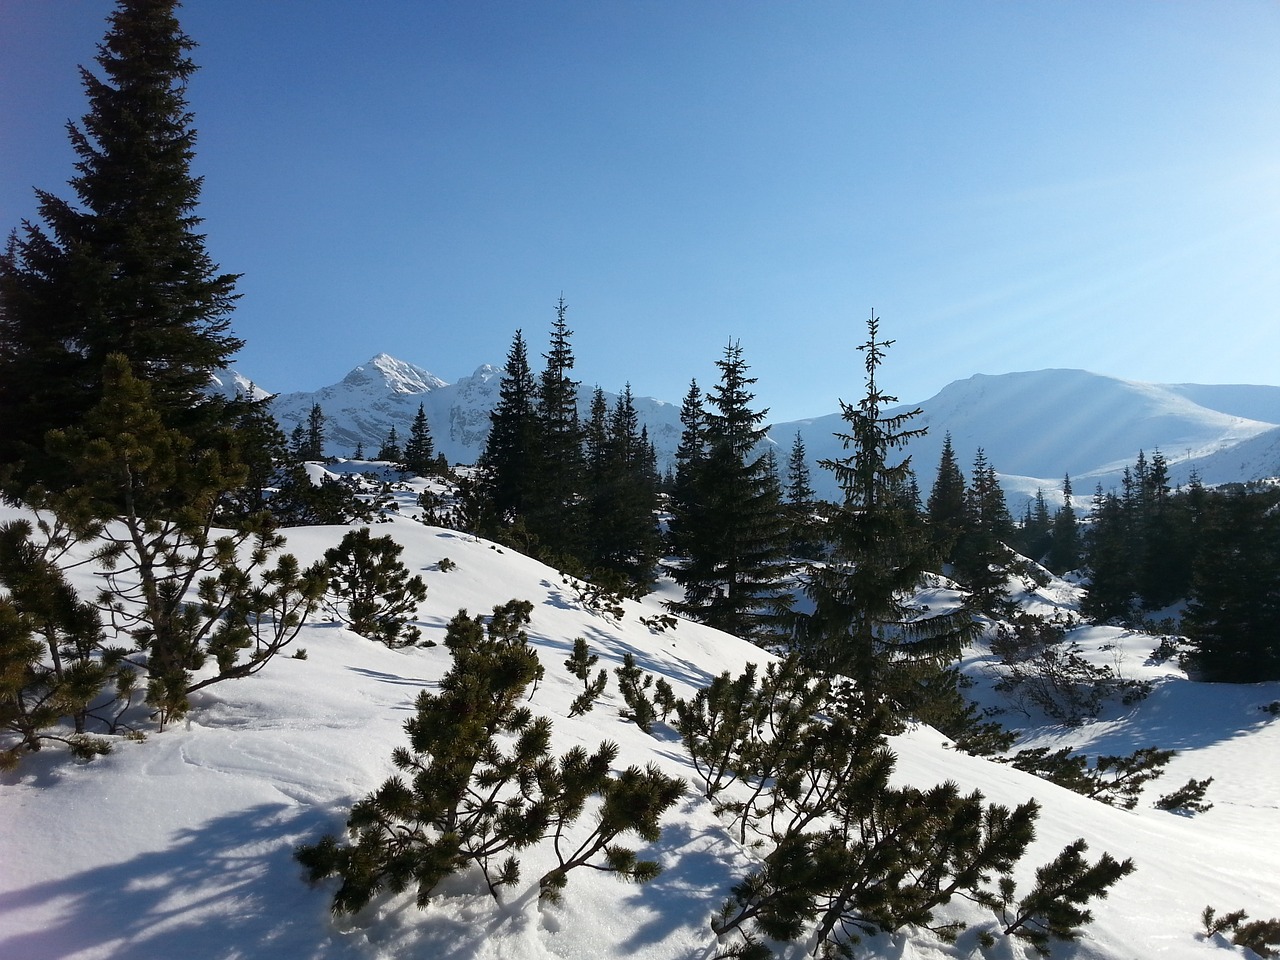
<point>232,384</point>
<point>394,376</point>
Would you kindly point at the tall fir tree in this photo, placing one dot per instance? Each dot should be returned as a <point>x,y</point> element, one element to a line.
<point>506,464</point>
<point>419,453</point>
<point>125,272</point>
<point>391,451</point>
<point>728,528</point>
<point>1235,604</point>
<point>946,510</point>
<point>623,533</point>
<point>982,554</point>
<point>864,623</point>
<point>1064,546</point>
<point>800,497</point>
<point>556,511</point>
<point>308,438</point>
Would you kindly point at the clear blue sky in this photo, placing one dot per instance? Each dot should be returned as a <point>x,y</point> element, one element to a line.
<point>1011,186</point>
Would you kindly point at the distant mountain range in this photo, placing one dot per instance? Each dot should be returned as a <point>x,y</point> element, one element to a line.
<point>1033,427</point>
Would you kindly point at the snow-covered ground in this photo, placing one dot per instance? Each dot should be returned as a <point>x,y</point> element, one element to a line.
<point>182,846</point>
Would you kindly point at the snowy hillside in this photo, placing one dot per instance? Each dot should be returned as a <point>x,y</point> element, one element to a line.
<point>1034,427</point>
<point>181,846</point>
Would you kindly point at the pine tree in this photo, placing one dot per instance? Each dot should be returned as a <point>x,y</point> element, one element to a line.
<point>419,453</point>
<point>555,512</point>
<point>982,555</point>
<point>800,498</point>
<point>126,272</point>
<point>863,624</point>
<point>506,465</point>
<point>183,590</point>
<point>312,436</point>
<point>1112,581</point>
<point>624,535</point>
<point>1064,547</point>
<point>1235,604</point>
<point>390,450</point>
<point>728,524</point>
<point>945,507</point>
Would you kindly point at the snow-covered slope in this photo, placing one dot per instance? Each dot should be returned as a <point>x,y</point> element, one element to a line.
<point>1035,427</point>
<point>181,846</point>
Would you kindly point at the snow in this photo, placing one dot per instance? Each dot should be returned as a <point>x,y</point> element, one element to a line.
<point>1033,426</point>
<point>181,846</point>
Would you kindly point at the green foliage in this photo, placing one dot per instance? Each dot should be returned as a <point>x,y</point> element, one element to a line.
<point>803,774</point>
<point>1113,780</point>
<point>863,626</point>
<point>122,271</point>
<point>390,450</point>
<point>634,685</point>
<point>469,801</point>
<point>184,594</point>
<point>52,662</point>
<point>579,664</point>
<point>1256,935</point>
<point>375,595</point>
<point>1040,670</point>
<point>1187,799</point>
<point>419,455</point>
<point>728,526</point>
<point>1056,906</point>
<point>847,853</point>
<point>602,594</point>
<point>621,539</point>
<point>298,502</point>
<point>1230,620</point>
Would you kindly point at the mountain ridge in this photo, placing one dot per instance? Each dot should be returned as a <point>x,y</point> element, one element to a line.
<point>1033,427</point>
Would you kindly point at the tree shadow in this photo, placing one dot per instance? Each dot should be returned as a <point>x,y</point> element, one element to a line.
<point>228,888</point>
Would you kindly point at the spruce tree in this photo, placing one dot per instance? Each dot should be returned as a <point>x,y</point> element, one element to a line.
<point>800,498</point>
<point>982,555</point>
<point>390,449</point>
<point>312,447</point>
<point>124,272</point>
<point>1235,603</point>
<point>624,497</point>
<point>728,526</point>
<point>506,465</point>
<point>555,513</point>
<point>1064,547</point>
<point>945,507</point>
<point>864,624</point>
<point>1112,579</point>
<point>419,453</point>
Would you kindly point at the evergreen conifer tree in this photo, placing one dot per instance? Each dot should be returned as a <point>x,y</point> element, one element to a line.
<point>863,624</point>
<point>506,465</point>
<point>624,534</point>
<point>982,554</point>
<point>555,514</point>
<point>311,437</point>
<point>1235,605</point>
<point>419,453</point>
<point>1112,581</point>
<point>125,272</point>
<point>945,507</point>
<point>729,524</point>
<point>390,450</point>
<point>1064,546</point>
<point>800,501</point>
